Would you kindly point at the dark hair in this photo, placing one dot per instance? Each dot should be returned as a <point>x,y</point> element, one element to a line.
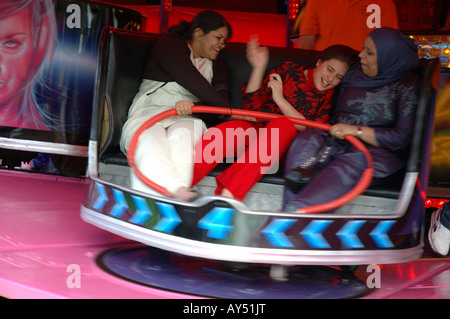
<point>340,52</point>
<point>206,20</point>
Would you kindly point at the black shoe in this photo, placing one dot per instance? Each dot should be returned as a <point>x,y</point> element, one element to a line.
<point>298,177</point>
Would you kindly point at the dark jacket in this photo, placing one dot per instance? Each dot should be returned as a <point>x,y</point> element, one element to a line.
<point>170,61</point>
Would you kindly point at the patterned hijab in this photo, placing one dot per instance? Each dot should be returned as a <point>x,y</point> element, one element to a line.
<point>396,56</point>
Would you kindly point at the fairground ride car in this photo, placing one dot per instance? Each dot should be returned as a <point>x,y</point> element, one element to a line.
<point>382,224</point>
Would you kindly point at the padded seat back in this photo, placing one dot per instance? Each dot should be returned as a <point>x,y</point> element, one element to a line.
<point>239,69</point>
<point>122,57</point>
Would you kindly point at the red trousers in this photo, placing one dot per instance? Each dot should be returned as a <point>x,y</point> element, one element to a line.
<point>258,150</point>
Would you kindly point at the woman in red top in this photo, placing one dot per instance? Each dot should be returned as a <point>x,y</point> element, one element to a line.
<point>290,90</point>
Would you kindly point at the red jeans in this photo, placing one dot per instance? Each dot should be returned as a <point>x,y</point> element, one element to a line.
<point>252,152</point>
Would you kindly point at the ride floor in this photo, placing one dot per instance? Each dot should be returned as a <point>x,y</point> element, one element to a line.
<point>47,251</point>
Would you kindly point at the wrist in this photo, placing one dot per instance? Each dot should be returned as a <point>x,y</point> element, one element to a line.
<point>280,101</point>
<point>359,132</point>
<point>259,68</point>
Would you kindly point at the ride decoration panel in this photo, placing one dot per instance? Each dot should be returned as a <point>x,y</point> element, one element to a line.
<point>434,46</point>
<point>437,45</point>
<point>221,222</point>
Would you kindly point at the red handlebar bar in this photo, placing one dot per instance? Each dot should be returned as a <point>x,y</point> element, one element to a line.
<point>358,189</point>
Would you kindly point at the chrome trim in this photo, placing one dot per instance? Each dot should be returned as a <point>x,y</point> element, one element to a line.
<point>406,193</point>
<point>44,147</point>
<point>408,189</point>
<point>93,159</point>
<point>247,254</point>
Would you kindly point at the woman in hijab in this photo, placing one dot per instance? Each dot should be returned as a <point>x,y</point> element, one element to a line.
<point>377,104</point>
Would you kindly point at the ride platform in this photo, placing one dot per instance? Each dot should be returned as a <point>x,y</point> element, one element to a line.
<point>48,251</point>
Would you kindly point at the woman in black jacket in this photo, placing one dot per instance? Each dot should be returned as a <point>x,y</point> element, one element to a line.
<point>183,69</point>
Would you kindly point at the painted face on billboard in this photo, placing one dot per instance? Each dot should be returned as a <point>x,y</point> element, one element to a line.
<point>25,47</point>
<point>16,50</point>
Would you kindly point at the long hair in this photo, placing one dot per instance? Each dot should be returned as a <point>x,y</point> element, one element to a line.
<point>206,20</point>
<point>42,11</point>
<point>339,52</point>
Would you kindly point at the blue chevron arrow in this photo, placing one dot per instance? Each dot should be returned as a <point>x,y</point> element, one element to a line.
<point>379,234</point>
<point>142,213</point>
<point>274,232</point>
<point>102,198</point>
<point>121,204</point>
<point>170,218</point>
<point>313,233</point>
<point>347,234</point>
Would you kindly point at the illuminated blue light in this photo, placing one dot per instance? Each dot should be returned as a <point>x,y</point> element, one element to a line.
<point>348,234</point>
<point>274,232</point>
<point>102,198</point>
<point>142,213</point>
<point>121,204</point>
<point>170,218</point>
<point>379,234</point>
<point>313,233</point>
<point>217,222</point>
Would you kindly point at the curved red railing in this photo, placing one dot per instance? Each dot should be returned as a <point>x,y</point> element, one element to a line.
<point>359,188</point>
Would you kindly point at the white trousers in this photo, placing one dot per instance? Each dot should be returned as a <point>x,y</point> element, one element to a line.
<point>166,155</point>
